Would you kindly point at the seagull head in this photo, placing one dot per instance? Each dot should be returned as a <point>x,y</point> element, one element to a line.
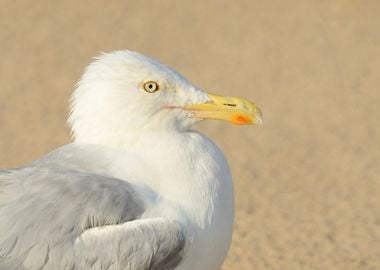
<point>124,92</point>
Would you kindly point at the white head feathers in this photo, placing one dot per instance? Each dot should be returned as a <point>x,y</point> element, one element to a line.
<point>110,100</point>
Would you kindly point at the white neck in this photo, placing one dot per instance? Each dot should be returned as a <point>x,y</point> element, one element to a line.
<point>195,183</point>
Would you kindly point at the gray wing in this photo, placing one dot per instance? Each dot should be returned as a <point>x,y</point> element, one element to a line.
<point>155,244</point>
<point>46,213</point>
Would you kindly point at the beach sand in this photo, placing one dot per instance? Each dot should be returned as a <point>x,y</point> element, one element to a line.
<point>307,181</point>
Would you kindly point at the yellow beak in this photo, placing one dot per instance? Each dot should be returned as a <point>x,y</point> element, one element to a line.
<point>232,109</point>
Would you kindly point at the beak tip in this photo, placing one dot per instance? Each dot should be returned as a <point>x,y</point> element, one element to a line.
<point>259,120</point>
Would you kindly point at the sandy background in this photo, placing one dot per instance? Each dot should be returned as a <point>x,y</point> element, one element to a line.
<point>307,182</point>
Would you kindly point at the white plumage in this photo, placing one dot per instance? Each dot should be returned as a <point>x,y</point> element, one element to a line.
<point>131,118</point>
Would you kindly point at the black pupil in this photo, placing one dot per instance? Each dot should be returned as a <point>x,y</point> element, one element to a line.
<point>150,86</point>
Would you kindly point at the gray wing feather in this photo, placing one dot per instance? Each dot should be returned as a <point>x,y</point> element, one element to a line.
<point>44,210</point>
<point>155,244</point>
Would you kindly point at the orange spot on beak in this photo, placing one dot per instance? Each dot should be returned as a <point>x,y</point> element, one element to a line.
<point>241,119</point>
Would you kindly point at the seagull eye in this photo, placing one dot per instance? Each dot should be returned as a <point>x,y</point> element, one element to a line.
<point>151,87</point>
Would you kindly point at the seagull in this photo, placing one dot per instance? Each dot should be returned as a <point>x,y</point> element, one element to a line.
<point>137,189</point>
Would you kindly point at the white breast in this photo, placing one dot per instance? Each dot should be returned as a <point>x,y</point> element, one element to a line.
<point>193,181</point>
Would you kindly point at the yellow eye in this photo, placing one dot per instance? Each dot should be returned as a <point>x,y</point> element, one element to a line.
<point>151,87</point>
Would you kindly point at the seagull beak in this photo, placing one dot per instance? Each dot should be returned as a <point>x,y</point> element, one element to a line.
<point>232,109</point>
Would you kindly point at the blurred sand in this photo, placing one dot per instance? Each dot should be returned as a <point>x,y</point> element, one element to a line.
<point>307,181</point>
